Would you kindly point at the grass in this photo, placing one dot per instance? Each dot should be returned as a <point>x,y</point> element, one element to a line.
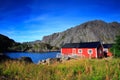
<point>82,69</point>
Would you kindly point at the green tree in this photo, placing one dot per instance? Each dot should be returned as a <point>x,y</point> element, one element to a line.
<point>116,47</point>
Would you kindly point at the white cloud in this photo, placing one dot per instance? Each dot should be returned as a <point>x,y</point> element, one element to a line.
<point>38,18</point>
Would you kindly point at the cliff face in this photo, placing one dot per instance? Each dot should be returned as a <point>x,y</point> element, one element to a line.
<point>87,32</point>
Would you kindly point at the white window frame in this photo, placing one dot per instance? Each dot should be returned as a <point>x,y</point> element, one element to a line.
<point>89,51</point>
<point>105,49</point>
<point>80,51</point>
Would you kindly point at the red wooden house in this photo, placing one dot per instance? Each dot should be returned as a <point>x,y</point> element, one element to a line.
<point>86,49</point>
<point>107,49</point>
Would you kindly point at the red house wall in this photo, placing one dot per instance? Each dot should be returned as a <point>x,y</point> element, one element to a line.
<point>109,54</point>
<point>66,51</point>
<point>86,54</point>
<point>69,51</point>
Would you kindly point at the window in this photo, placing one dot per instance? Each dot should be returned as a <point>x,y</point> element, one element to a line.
<point>90,51</point>
<point>106,50</point>
<point>79,50</point>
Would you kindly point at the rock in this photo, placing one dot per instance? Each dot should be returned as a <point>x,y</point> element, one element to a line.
<point>53,60</point>
<point>4,58</point>
<point>96,30</point>
<point>66,58</point>
<point>42,62</point>
<point>26,59</point>
<point>39,62</point>
<point>50,61</point>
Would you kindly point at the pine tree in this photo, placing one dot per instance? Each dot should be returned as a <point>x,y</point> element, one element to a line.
<point>116,47</point>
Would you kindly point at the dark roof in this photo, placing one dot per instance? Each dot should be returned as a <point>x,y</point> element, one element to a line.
<point>107,45</point>
<point>82,45</point>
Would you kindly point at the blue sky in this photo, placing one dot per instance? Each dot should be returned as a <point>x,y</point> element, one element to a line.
<point>29,20</point>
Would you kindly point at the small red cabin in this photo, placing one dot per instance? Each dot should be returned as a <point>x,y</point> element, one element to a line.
<point>107,50</point>
<point>86,49</point>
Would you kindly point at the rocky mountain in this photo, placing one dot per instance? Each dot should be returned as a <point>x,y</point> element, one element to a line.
<point>9,45</point>
<point>5,43</point>
<point>96,30</point>
<point>34,46</point>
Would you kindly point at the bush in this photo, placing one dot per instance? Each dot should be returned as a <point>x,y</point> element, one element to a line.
<point>116,47</point>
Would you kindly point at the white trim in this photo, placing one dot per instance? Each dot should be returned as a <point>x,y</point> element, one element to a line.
<point>105,49</point>
<point>96,52</point>
<point>90,50</point>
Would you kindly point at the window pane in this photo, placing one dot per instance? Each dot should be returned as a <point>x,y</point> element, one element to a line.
<point>79,50</point>
<point>90,51</point>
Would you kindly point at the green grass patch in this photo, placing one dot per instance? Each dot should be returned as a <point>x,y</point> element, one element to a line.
<point>82,69</point>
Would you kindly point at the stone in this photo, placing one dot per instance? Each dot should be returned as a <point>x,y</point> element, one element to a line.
<point>26,59</point>
<point>4,58</point>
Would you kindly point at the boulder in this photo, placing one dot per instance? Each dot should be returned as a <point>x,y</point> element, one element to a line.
<point>53,60</point>
<point>26,59</point>
<point>50,61</point>
<point>4,58</point>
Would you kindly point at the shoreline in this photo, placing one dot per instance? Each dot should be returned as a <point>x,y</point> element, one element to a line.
<point>30,52</point>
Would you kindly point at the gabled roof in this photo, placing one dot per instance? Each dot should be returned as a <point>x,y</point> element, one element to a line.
<point>107,45</point>
<point>82,45</point>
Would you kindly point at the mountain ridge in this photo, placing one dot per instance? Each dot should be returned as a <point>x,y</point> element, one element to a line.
<point>90,31</point>
<point>96,30</point>
<point>5,43</point>
<point>9,45</point>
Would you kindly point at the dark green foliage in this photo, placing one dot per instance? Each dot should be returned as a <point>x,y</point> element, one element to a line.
<point>116,47</point>
<point>19,47</point>
<point>5,43</point>
<point>34,47</point>
<point>42,47</point>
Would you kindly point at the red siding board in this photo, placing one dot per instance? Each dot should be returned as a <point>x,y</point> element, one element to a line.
<point>66,51</point>
<point>69,51</point>
<point>109,54</point>
<point>97,52</point>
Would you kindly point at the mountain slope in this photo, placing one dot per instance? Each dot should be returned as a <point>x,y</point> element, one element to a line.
<point>33,47</point>
<point>5,43</point>
<point>96,30</point>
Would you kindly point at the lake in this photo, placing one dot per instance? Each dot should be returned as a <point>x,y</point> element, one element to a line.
<point>34,56</point>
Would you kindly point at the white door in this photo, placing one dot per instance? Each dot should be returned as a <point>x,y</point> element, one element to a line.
<point>74,51</point>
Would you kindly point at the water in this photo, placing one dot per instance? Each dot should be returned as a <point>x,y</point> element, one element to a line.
<point>34,56</point>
